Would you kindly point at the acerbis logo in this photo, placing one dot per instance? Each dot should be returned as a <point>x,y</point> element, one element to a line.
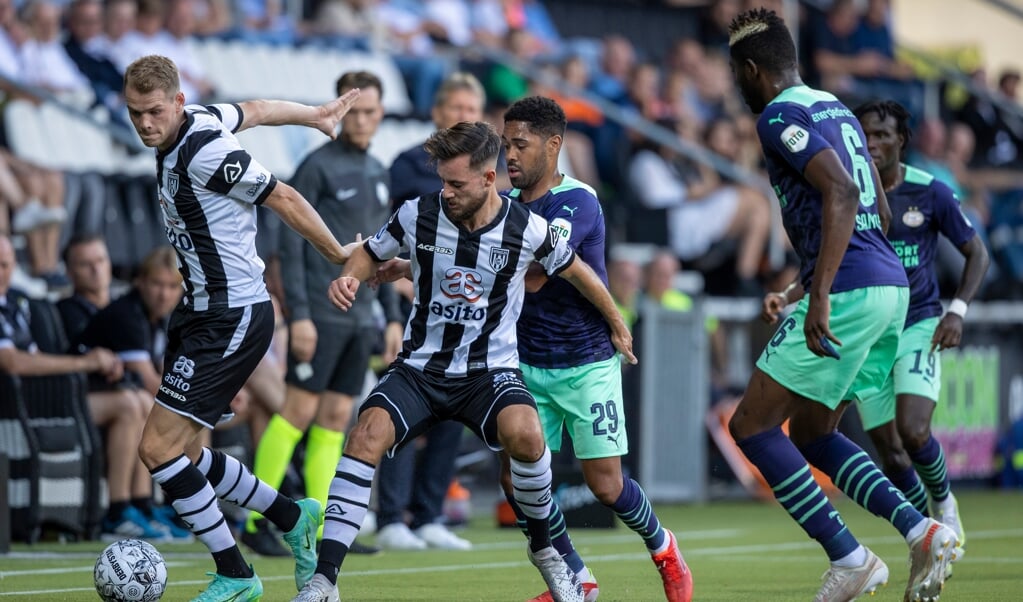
<point>460,283</point>
<point>232,171</point>
<point>435,249</point>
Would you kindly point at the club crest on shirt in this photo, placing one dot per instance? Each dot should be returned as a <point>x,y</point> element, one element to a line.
<point>172,184</point>
<point>498,258</point>
<point>913,218</point>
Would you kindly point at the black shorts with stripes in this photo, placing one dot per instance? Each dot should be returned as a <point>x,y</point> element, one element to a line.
<point>210,354</point>
<point>417,401</point>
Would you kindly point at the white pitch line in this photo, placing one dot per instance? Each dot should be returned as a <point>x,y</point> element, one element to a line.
<point>704,551</point>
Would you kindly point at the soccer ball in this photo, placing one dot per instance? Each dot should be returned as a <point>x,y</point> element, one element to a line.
<point>130,570</point>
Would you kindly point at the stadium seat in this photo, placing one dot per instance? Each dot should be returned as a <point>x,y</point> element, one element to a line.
<point>55,451</point>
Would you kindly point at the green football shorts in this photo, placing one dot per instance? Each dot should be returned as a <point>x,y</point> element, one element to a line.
<point>917,371</point>
<point>588,400</point>
<point>867,320</point>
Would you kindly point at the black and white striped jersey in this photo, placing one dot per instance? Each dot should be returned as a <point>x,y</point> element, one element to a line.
<point>469,286</point>
<point>209,187</point>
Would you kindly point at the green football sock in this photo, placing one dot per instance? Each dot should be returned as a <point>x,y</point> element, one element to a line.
<point>322,453</point>
<point>272,457</point>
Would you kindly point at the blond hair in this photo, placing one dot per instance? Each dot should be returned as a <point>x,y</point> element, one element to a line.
<point>458,82</point>
<point>152,72</point>
<point>160,258</point>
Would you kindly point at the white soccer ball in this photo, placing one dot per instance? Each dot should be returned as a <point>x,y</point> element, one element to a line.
<point>130,570</point>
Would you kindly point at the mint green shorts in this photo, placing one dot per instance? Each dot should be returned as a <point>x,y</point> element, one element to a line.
<point>586,399</point>
<point>917,371</point>
<point>868,321</point>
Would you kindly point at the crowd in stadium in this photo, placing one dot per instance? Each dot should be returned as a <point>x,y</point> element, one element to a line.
<point>653,193</point>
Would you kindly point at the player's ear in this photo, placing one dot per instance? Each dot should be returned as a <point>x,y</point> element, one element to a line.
<point>554,143</point>
<point>490,176</point>
<point>179,99</point>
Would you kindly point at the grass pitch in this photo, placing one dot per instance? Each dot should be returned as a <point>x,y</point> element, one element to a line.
<point>737,551</point>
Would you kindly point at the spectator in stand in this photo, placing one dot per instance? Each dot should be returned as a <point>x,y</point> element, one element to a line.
<point>699,210</point>
<point>212,18</point>
<point>180,29</point>
<point>617,59</point>
<point>644,92</point>
<point>389,27</point>
<point>854,56</point>
<point>116,411</point>
<point>86,48</point>
<point>714,24</point>
<point>134,327</point>
<point>504,84</point>
<point>116,43</point>
<point>45,63</point>
<point>1008,84</point>
<point>87,262</point>
<point>999,132</point>
<point>10,62</point>
<point>448,21</point>
<point>265,22</point>
<point>37,196</point>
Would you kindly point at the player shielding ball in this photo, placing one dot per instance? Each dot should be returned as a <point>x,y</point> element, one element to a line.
<point>470,249</point>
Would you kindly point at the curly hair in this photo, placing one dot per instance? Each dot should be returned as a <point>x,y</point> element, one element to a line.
<point>542,115</point>
<point>885,109</point>
<point>761,36</point>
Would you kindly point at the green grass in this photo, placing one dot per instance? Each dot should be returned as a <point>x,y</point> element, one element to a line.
<point>737,551</point>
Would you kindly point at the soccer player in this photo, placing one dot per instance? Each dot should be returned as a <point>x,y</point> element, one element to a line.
<point>470,249</point>
<point>209,187</point>
<point>329,350</point>
<point>841,341</point>
<point>898,418</point>
<point>566,355</point>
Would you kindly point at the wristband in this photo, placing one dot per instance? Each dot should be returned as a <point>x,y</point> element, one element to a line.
<point>958,307</point>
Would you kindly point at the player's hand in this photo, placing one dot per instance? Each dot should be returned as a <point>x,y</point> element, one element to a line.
<point>772,306</point>
<point>342,292</point>
<point>329,114</point>
<point>347,250</point>
<point>948,334</point>
<point>303,337</point>
<point>393,270</point>
<point>817,328</point>
<point>622,340</point>
<point>392,341</point>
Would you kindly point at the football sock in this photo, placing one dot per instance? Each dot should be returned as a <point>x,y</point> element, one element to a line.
<point>195,502</point>
<point>852,471</point>
<point>144,504</point>
<point>853,559</point>
<point>559,534</point>
<point>233,482</point>
<point>347,501</point>
<point>909,484</point>
<point>117,509</point>
<point>929,461</point>
<point>791,481</point>
<point>633,507</point>
<point>322,453</point>
<point>273,456</point>
<point>531,482</point>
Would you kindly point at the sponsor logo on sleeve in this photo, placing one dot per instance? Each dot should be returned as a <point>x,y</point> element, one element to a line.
<point>795,138</point>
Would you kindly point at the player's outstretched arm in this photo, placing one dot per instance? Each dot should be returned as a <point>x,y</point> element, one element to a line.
<point>300,216</point>
<point>841,199</point>
<point>592,287</point>
<point>323,117</point>
<point>359,268</point>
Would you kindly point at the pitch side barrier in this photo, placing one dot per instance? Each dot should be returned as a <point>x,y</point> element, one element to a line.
<point>981,392</point>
